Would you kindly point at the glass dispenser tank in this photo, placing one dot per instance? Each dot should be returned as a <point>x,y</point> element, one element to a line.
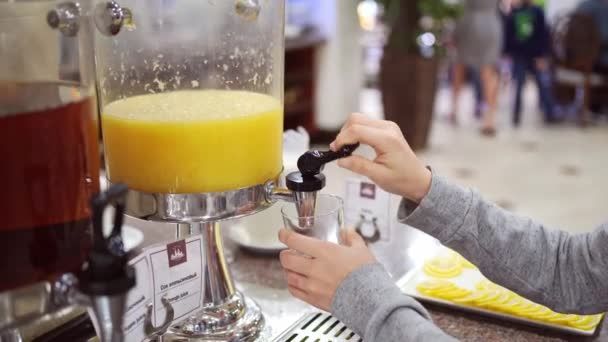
<point>191,96</point>
<point>49,158</point>
<point>191,99</point>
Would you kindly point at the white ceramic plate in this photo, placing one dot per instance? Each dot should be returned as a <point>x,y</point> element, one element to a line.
<point>259,233</point>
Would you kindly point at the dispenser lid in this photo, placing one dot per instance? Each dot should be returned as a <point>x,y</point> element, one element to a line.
<point>300,183</point>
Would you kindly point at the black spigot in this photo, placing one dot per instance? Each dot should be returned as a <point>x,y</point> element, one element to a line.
<point>310,165</point>
<point>312,162</point>
<point>106,272</point>
<point>308,181</point>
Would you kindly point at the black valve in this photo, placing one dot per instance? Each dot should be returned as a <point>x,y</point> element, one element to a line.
<point>107,272</point>
<point>310,164</point>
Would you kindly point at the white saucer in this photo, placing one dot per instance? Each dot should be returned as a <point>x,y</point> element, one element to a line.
<point>259,233</point>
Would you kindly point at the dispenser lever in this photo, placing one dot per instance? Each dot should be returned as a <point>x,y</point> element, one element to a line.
<point>107,277</point>
<point>312,162</point>
<point>115,196</point>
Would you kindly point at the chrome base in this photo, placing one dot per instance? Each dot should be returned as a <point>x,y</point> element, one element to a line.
<point>199,207</point>
<point>38,304</point>
<point>227,314</point>
<point>238,319</point>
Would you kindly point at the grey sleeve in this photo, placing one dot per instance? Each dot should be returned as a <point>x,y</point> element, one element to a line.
<point>568,273</point>
<point>369,303</point>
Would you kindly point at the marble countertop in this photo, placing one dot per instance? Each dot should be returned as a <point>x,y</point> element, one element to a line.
<point>261,277</point>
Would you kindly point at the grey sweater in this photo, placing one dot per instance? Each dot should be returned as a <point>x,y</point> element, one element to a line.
<point>567,273</point>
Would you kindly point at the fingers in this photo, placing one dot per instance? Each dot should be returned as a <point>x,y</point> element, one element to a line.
<point>304,244</point>
<point>360,119</point>
<point>378,138</point>
<point>295,262</point>
<point>297,281</point>
<point>352,239</point>
<point>304,289</point>
<point>301,295</point>
<point>362,166</point>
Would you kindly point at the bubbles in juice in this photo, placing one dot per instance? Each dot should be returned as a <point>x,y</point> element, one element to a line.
<point>193,141</point>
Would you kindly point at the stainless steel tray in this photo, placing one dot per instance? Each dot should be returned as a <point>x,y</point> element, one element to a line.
<point>318,327</point>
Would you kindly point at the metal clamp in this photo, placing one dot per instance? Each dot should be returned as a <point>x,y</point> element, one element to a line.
<point>152,332</point>
<point>110,17</point>
<point>273,193</point>
<point>65,18</point>
<point>64,291</point>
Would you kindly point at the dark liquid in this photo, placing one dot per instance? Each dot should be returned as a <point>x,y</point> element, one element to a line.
<point>49,169</point>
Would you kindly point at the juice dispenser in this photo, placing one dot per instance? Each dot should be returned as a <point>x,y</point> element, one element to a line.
<point>191,98</point>
<point>49,172</point>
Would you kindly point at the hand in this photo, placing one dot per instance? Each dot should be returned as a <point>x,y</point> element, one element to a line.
<point>315,279</point>
<point>396,168</point>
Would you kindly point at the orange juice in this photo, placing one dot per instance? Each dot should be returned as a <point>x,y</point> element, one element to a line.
<point>193,141</point>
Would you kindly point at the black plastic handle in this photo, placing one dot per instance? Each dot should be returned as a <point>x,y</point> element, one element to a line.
<point>107,272</point>
<point>114,196</point>
<point>312,162</point>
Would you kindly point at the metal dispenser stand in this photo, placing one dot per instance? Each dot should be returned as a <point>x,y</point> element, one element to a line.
<point>227,315</point>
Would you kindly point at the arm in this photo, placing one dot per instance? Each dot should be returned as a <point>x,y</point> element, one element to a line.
<point>346,280</point>
<point>567,273</point>
<point>370,303</point>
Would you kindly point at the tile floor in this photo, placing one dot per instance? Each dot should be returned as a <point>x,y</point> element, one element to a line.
<point>557,175</point>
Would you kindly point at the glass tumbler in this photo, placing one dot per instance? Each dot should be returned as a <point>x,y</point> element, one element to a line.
<point>326,224</point>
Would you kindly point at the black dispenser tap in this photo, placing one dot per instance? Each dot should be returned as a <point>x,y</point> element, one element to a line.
<point>309,180</point>
<point>106,277</point>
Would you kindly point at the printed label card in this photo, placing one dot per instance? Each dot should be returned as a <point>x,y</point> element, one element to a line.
<point>367,210</point>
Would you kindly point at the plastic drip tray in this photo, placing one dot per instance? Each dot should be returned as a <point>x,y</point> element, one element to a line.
<point>318,327</point>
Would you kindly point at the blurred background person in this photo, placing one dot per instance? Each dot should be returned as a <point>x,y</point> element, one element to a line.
<point>528,44</point>
<point>471,75</point>
<point>478,45</point>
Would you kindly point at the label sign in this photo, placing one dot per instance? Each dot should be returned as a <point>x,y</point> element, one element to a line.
<point>173,271</point>
<point>177,275</point>
<point>137,300</point>
<point>177,253</point>
<point>367,209</point>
